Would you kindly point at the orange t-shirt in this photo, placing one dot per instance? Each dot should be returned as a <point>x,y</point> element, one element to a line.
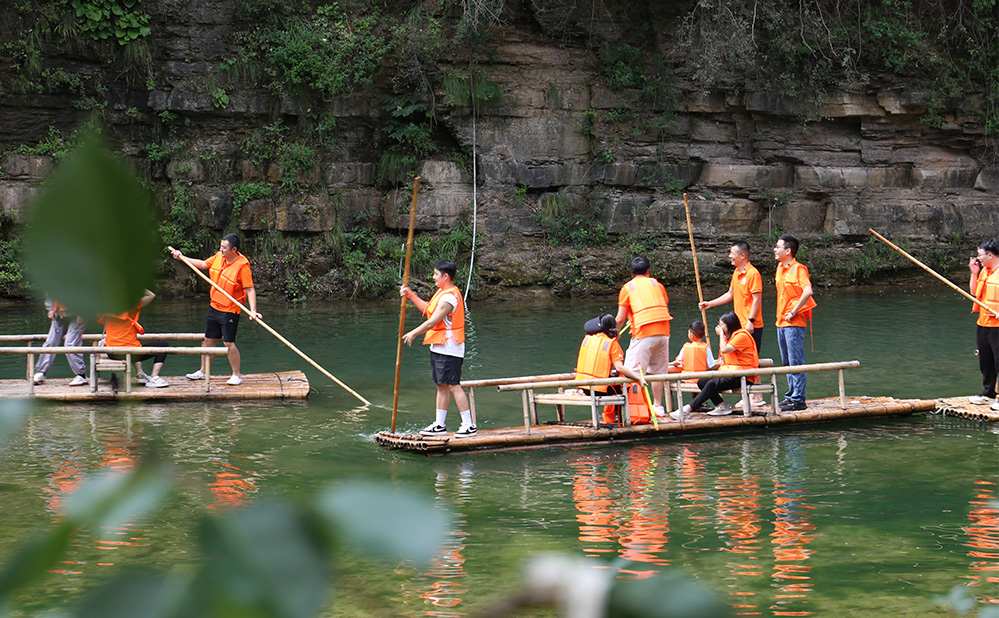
<point>744,285</point>
<point>233,277</point>
<point>744,356</point>
<point>791,281</point>
<point>649,329</point>
<point>121,330</point>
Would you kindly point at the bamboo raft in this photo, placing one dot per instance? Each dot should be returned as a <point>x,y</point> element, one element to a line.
<point>255,386</point>
<point>962,408</point>
<point>559,433</point>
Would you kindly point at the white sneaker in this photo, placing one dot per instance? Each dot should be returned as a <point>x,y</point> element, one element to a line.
<point>141,377</point>
<point>234,381</point>
<point>978,400</point>
<point>39,378</point>
<point>681,413</point>
<point>434,430</point>
<point>659,411</point>
<point>465,430</point>
<point>721,409</point>
<point>156,382</point>
<point>197,375</point>
<point>79,381</point>
<point>738,405</point>
<point>995,406</point>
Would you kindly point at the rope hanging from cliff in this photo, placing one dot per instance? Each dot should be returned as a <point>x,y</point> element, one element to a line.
<point>475,183</point>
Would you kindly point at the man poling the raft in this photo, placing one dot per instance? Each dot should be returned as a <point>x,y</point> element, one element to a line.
<point>599,354</point>
<point>984,284</point>
<point>256,318</point>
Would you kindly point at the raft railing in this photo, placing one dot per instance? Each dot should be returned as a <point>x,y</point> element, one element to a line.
<point>95,350</point>
<point>531,415</point>
<point>471,385</point>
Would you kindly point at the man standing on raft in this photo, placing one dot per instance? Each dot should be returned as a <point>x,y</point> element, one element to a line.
<point>985,287</point>
<point>794,308</point>
<point>230,270</point>
<point>644,301</point>
<point>444,331</point>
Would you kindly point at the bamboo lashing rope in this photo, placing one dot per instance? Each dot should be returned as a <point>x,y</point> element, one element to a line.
<point>329,375</point>
<point>402,308</point>
<point>697,273</point>
<point>950,283</point>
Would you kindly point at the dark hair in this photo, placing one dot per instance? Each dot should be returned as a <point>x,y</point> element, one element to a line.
<point>233,241</point>
<point>608,324</point>
<point>990,245</point>
<point>742,246</point>
<point>790,243</point>
<point>731,322</point>
<point>697,327</point>
<point>640,265</point>
<point>447,267</point>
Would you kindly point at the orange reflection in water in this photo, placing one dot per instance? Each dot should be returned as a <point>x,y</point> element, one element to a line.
<point>738,512</point>
<point>792,533</point>
<point>625,520</point>
<point>231,487</point>
<point>984,540</point>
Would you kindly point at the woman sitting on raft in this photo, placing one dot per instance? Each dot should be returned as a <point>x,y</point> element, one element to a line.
<point>122,330</point>
<point>599,353</point>
<point>738,351</point>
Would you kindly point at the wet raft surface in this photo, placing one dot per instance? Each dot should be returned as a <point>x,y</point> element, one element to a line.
<point>572,434</point>
<point>275,385</point>
<point>961,407</point>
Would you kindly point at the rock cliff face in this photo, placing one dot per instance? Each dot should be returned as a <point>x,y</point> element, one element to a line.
<point>750,166</point>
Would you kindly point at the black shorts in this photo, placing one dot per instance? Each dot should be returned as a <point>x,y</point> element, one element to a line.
<point>221,325</point>
<point>445,369</point>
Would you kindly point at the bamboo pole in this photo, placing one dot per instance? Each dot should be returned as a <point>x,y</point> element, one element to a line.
<point>329,375</point>
<point>402,307</point>
<point>994,312</point>
<point>697,272</point>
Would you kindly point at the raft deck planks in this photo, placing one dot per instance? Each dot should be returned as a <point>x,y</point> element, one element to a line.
<point>274,385</point>
<point>547,436</point>
<point>962,408</point>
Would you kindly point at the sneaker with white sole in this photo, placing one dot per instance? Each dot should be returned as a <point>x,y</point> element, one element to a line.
<point>464,431</point>
<point>434,430</point>
<point>659,411</point>
<point>38,378</point>
<point>234,381</point>
<point>721,409</point>
<point>995,406</point>
<point>79,381</point>
<point>684,412</point>
<point>197,375</point>
<point>156,382</point>
<point>141,377</point>
<point>978,400</point>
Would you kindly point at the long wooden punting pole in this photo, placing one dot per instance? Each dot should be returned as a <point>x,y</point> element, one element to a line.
<point>269,329</point>
<point>402,307</point>
<point>938,276</point>
<point>697,273</point>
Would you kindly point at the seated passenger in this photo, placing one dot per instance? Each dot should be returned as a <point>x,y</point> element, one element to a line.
<point>122,330</point>
<point>599,354</point>
<point>738,351</point>
<point>695,355</point>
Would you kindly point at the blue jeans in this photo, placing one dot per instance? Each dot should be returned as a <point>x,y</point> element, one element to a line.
<point>791,340</point>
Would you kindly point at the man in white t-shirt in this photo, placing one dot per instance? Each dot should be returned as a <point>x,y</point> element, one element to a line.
<point>444,332</point>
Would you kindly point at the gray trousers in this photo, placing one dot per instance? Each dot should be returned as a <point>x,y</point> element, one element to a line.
<point>73,332</point>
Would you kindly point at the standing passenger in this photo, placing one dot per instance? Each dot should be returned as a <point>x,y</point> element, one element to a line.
<point>445,334</point>
<point>985,286</point>
<point>794,309</point>
<point>64,324</point>
<point>746,295</point>
<point>230,270</point>
<point>644,301</point>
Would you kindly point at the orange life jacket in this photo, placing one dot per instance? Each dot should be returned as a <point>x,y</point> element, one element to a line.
<point>638,409</point>
<point>744,356</point>
<point>695,357</point>
<point>227,276</point>
<point>988,293</point>
<point>438,332</point>
<point>791,291</point>
<point>594,360</point>
<point>646,299</point>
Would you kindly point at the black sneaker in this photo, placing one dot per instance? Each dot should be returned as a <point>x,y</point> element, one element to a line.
<point>791,406</point>
<point>434,430</point>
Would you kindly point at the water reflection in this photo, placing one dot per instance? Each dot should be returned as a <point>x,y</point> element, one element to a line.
<point>983,543</point>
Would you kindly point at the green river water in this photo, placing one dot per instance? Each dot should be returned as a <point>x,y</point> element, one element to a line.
<point>870,518</point>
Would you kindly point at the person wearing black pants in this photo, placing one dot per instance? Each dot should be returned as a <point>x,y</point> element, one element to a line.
<point>985,286</point>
